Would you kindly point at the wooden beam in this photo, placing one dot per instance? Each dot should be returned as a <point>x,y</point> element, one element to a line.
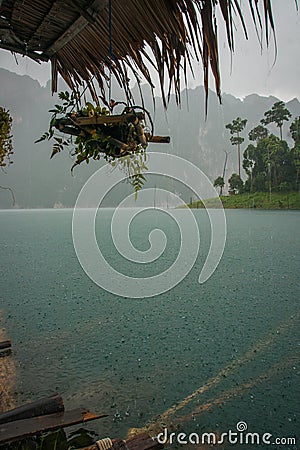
<point>89,15</point>
<point>67,36</point>
<point>95,7</point>
<point>22,429</point>
<point>139,442</point>
<point>33,55</point>
<point>43,406</point>
<point>43,26</point>
<point>75,28</point>
<point>100,120</point>
<point>160,139</point>
<point>4,345</point>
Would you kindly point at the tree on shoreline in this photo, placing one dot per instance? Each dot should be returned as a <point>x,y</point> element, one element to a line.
<point>268,162</point>
<point>235,128</point>
<point>277,114</point>
<point>219,182</point>
<point>269,165</point>
<point>235,184</point>
<point>295,133</point>
<point>258,133</point>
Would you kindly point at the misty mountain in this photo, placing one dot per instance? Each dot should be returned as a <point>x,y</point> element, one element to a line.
<point>38,182</point>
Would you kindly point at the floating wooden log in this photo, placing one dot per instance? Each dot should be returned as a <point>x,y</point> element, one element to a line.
<point>141,441</point>
<point>22,429</point>
<point>4,345</point>
<point>48,405</point>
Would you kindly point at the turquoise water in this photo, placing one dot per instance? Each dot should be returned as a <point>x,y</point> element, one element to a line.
<point>133,359</point>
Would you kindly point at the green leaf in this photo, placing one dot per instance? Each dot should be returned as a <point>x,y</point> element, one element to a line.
<point>42,138</point>
<point>54,152</point>
<point>89,106</point>
<point>52,121</point>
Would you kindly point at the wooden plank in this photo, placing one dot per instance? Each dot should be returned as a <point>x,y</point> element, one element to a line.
<point>160,139</point>
<point>139,442</point>
<point>101,120</point>
<point>4,345</point>
<point>43,27</point>
<point>21,429</point>
<point>89,15</point>
<point>75,28</point>
<point>72,131</point>
<point>40,407</point>
<point>4,354</point>
<point>67,36</point>
<point>18,49</point>
<point>143,441</point>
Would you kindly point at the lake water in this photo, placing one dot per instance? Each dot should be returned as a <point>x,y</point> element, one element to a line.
<point>232,341</point>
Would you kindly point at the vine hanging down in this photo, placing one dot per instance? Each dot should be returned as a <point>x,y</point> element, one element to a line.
<point>94,133</point>
<point>6,148</point>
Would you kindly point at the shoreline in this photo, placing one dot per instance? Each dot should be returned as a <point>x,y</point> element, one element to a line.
<point>277,201</point>
<point>7,374</point>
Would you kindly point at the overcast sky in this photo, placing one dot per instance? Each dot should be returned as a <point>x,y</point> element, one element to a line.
<point>251,71</point>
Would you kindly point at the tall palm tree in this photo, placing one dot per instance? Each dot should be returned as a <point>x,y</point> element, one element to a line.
<point>235,128</point>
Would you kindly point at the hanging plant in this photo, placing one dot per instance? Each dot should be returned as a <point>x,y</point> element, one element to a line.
<point>6,148</point>
<point>94,133</point>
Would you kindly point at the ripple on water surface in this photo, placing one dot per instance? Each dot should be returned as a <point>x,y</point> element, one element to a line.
<point>222,352</point>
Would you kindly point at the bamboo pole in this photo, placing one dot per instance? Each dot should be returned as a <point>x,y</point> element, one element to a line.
<point>160,139</point>
<point>101,120</point>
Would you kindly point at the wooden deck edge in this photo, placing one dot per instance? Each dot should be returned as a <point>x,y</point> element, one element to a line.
<point>142,441</point>
<point>22,429</point>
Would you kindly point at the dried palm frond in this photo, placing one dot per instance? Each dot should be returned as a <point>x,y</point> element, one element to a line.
<point>118,34</point>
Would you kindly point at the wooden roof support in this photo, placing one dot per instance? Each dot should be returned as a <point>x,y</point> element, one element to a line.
<point>177,31</point>
<point>89,15</point>
<point>76,27</point>
<point>43,25</point>
<point>67,36</point>
<point>33,55</point>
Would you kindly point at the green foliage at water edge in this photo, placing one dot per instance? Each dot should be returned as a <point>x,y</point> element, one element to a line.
<point>257,200</point>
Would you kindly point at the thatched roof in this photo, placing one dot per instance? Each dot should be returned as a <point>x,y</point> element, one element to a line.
<point>85,38</point>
